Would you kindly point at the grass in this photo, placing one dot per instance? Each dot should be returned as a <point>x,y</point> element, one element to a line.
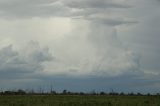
<point>85,100</point>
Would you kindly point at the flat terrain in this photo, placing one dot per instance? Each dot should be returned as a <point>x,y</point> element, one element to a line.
<point>86,100</point>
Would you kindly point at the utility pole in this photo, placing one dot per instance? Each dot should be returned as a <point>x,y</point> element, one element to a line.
<point>51,88</point>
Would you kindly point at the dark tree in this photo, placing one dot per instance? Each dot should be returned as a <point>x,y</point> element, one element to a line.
<point>64,92</point>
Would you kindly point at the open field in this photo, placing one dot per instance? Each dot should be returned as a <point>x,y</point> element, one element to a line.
<point>85,100</point>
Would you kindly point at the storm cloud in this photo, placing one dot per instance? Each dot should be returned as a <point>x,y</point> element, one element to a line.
<point>96,4</point>
<point>101,39</point>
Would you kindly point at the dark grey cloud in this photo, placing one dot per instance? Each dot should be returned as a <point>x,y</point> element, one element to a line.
<point>15,64</point>
<point>111,21</point>
<point>99,11</point>
<point>30,8</point>
<point>123,83</point>
<point>95,4</point>
<point>53,8</point>
<point>65,8</point>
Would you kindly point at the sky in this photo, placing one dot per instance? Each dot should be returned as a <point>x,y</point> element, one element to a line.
<point>80,45</point>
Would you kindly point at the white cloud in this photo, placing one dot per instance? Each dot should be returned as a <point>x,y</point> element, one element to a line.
<point>15,64</point>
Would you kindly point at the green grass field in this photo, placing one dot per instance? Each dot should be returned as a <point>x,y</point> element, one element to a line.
<point>86,100</point>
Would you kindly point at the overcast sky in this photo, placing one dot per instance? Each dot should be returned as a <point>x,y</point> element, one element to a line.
<point>80,45</point>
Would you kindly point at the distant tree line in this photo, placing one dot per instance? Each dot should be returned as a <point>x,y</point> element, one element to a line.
<point>18,92</point>
<point>65,92</point>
